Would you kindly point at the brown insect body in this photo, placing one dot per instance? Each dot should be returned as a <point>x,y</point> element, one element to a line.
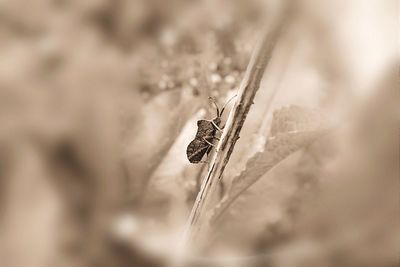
<point>204,137</point>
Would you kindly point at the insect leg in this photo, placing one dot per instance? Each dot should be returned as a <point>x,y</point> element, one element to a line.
<point>216,126</point>
<point>211,144</point>
<point>208,142</point>
<point>210,136</point>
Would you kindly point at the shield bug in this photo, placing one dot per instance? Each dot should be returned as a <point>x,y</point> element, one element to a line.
<point>205,136</point>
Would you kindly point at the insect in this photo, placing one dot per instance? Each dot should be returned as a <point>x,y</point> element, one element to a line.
<point>205,136</point>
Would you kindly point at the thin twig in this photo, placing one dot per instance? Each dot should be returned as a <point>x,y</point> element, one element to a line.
<point>248,88</point>
<point>261,56</point>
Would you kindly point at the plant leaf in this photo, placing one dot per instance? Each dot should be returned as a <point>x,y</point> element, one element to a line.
<point>293,128</point>
<point>154,138</point>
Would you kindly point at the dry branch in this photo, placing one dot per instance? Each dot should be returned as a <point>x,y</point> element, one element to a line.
<point>250,84</point>
<point>277,149</point>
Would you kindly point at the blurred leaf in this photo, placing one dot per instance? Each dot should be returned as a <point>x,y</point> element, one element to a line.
<point>175,178</point>
<point>359,179</point>
<point>155,134</point>
<point>292,129</point>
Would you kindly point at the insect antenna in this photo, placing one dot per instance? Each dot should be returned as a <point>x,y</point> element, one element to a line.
<point>215,103</point>
<point>227,102</point>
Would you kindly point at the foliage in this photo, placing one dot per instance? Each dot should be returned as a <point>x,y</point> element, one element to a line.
<point>99,99</point>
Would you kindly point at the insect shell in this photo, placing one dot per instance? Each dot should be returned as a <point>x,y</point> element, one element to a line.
<point>205,136</point>
<point>204,140</point>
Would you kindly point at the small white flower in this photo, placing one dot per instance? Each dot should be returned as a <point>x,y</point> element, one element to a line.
<point>215,78</point>
<point>229,79</point>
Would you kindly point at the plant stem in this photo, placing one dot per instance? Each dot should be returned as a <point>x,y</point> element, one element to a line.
<point>261,56</point>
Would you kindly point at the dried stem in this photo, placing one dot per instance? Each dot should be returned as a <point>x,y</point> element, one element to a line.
<point>250,84</point>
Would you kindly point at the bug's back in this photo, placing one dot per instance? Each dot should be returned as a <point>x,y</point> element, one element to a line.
<point>205,137</point>
<point>205,129</point>
<point>196,150</point>
<point>199,147</point>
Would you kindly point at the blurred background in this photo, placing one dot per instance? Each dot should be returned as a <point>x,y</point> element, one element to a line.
<point>99,99</point>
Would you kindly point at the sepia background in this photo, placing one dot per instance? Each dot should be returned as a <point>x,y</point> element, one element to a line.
<point>99,100</point>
